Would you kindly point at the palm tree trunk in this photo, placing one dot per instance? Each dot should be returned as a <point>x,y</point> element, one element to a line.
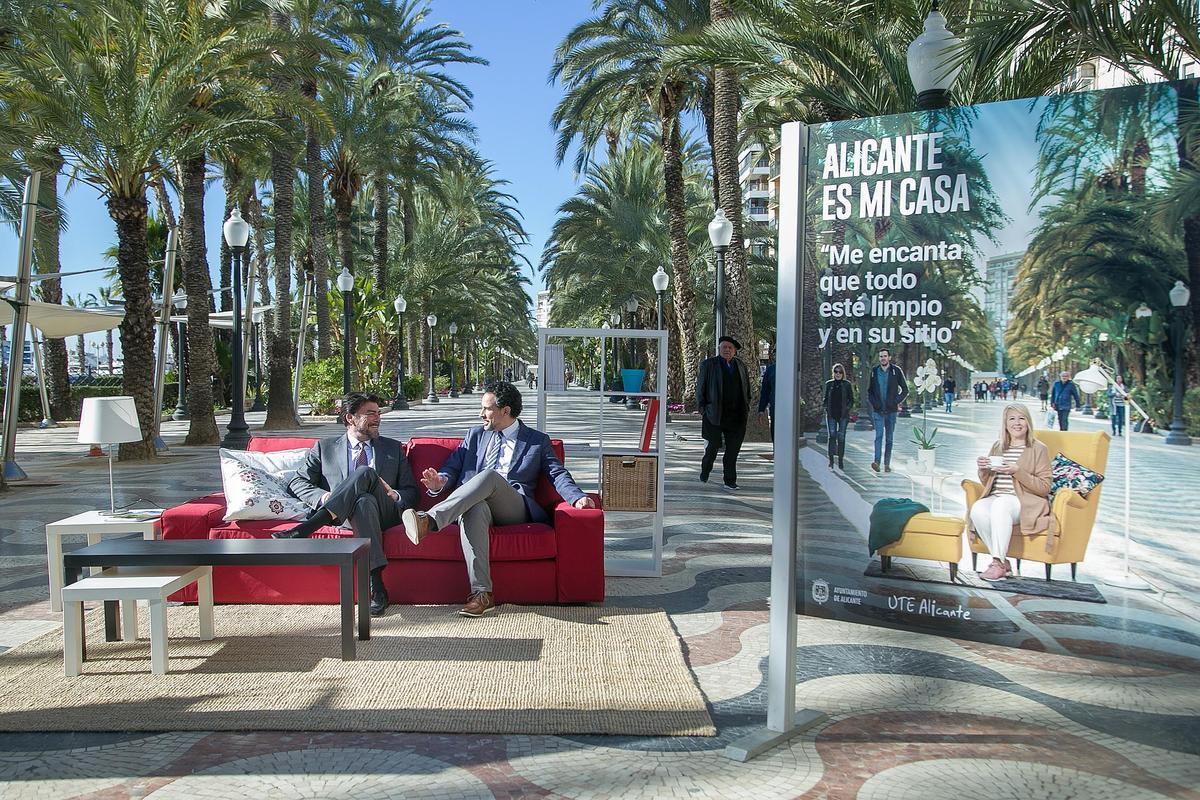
<point>202,423</point>
<point>58,385</point>
<point>80,353</point>
<point>739,315</point>
<point>343,207</point>
<point>137,328</point>
<point>281,413</point>
<point>708,110</point>
<point>314,167</point>
<point>108,348</point>
<point>685,294</point>
<point>383,197</point>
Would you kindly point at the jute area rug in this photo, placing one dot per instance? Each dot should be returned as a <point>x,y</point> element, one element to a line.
<point>524,669</point>
<point>937,573</point>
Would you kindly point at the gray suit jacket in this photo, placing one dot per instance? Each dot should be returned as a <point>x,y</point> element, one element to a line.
<point>325,466</point>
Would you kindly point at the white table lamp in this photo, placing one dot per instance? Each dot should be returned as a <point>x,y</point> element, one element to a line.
<point>110,421</point>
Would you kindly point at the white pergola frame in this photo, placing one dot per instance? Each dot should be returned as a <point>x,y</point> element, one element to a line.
<point>650,567</point>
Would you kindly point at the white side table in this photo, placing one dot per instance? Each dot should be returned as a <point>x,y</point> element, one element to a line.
<point>936,480</point>
<point>94,525</point>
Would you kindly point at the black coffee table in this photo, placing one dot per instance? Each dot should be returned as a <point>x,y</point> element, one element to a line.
<point>345,554</point>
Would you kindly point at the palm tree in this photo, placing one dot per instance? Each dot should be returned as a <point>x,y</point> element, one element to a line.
<point>112,84</point>
<point>614,65</point>
<point>105,297</point>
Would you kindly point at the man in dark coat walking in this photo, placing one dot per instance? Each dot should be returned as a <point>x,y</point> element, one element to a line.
<point>723,398</point>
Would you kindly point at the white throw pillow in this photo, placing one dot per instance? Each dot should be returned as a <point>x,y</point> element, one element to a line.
<point>256,484</point>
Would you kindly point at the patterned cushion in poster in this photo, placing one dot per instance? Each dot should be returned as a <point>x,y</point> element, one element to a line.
<point>256,484</point>
<point>1068,474</point>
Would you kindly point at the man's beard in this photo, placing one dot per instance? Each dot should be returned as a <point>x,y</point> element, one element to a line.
<point>371,432</point>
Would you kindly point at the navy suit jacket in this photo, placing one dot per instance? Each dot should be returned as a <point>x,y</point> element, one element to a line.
<point>532,455</point>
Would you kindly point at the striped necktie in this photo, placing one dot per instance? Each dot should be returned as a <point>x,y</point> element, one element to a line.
<point>495,448</point>
<point>361,459</point>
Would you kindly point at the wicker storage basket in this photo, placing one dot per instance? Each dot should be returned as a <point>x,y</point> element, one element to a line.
<point>630,483</point>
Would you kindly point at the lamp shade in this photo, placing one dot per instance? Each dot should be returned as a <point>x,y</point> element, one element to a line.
<point>631,305</point>
<point>930,55</point>
<point>661,279</point>
<point>720,230</point>
<point>345,281</point>
<point>1180,294</point>
<point>237,230</point>
<point>399,304</point>
<point>1092,380</point>
<point>453,328</point>
<point>109,420</point>
<point>1143,311</point>
<point>431,320</point>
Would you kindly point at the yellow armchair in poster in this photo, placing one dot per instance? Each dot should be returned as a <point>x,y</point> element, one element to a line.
<point>1075,515</point>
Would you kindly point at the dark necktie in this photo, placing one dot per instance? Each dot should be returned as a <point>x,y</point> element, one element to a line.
<point>361,459</point>
<point>495,448</point>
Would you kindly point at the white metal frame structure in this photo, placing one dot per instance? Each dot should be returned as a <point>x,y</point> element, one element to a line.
<point>649,567</point>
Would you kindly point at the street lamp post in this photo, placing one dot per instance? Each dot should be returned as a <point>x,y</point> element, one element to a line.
<point>345,284</point>
<point>453,368</point>
<point>1180,296</point>
<point>431,321</point>
<point>720,234</point>
<point>237,432</point>
<point>401,401</point>
<point>932,65</point>
<point>661,281</point>
<point>181,410</point>
<point>255,331</point>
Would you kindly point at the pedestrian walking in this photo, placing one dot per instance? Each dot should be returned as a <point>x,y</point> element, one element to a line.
<point>839,400</point>
<point>766,399</point>
<point>1043,387</point>
<point>1116,405</point>
<point>886,391</point>
<point>948,389</point>
<point>723,397</point>
<point>1062,395</point>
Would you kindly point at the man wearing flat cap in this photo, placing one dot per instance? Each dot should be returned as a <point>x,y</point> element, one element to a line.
<point>723,397</point>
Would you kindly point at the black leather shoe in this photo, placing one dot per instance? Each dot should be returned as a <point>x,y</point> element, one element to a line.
<point>293,533</point>
<point>379,597</point>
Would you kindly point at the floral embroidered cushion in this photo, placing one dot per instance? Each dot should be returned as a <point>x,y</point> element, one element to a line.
<point>1068,474</point>
<point>255,484</point>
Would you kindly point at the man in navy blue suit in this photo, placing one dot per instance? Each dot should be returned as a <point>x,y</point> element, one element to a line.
<point>492,474</point>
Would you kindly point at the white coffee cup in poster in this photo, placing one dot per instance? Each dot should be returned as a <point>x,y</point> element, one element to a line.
<point>995,461</point>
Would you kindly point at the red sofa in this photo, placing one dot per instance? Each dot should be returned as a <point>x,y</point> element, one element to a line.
<point>531,563</point>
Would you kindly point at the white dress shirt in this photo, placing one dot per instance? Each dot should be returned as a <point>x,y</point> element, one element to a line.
<point>352,453</point>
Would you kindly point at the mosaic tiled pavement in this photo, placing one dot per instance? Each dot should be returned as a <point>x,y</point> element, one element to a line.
<point>909,715</point>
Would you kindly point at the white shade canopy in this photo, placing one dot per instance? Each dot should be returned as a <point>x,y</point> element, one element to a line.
<point>661,279</point>
<point>237,230</point>
<point>931,55</point>
<point>1091,380</point>
<point>720,230</point>
<point>58,322</point>
<point>109,420</point>
<point>345,281</point>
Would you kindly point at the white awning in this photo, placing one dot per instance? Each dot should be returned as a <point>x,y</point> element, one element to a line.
<point>58,322</point>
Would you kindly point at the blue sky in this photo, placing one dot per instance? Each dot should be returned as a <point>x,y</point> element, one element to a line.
<point>513,103</point>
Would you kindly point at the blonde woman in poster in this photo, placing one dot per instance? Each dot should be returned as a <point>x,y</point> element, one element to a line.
<point>1016,482</point>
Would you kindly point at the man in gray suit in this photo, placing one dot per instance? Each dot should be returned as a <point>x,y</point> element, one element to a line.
<point>495,470</point>
<point>361,480</point>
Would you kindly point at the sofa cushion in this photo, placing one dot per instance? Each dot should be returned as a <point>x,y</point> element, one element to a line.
<point>530,541</point>
<point>269,444</point>
<point>263,528</point>
<point>256,484</point>
<point>193,519</point>
<point>1066,473</point>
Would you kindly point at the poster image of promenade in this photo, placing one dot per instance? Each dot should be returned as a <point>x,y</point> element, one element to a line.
<point>988,344</point>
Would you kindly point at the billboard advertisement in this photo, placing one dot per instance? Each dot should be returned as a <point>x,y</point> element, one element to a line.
<point>987,350</point>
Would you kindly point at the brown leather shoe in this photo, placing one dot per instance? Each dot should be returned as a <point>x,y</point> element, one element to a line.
<point>479,604</point>
<point>416,525</point>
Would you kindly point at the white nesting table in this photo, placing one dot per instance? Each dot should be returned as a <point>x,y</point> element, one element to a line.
<point>94,525</point>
